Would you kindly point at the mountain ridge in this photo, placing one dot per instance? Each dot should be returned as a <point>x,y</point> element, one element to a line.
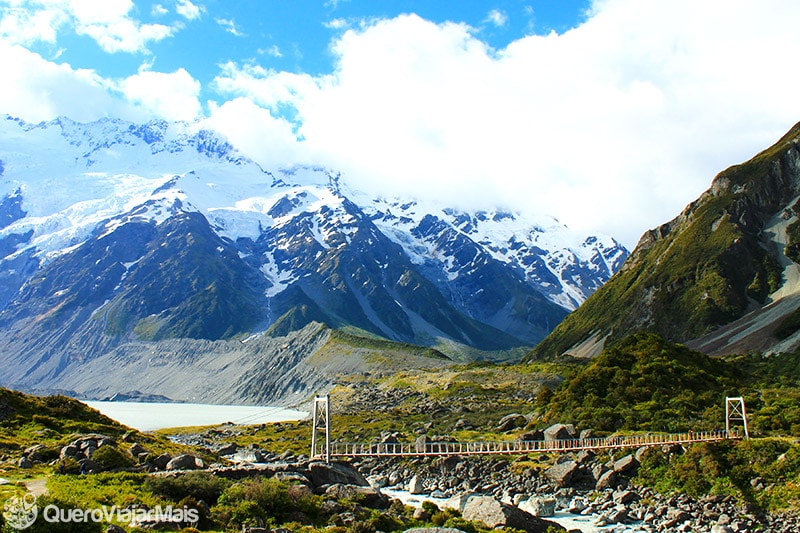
<point>114,232</point>
<point>717,262</point>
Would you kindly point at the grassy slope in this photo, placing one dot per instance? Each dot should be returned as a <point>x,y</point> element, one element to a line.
<point>699,273</point>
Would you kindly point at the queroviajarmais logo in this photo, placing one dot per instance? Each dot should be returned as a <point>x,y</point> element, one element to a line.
<point>20,511</point>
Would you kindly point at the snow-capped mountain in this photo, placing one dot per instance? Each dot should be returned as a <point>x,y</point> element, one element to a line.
<point>112,232</point>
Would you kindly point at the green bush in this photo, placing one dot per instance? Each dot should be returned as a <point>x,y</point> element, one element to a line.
<point>644,383</point>
<point>111,458</point>
<point>260,500</point>
<point>198,485</point>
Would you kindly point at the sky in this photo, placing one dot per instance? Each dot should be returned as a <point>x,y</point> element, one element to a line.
<point>610,115</point>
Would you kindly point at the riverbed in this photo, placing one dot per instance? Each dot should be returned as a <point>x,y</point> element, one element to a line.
<point>150,416</point>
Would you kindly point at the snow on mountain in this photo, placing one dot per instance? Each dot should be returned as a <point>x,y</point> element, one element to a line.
<point>63,184</point>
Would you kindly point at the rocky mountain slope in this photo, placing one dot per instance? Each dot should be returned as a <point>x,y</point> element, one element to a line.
<point>114,233</point>
<point>722,276</point>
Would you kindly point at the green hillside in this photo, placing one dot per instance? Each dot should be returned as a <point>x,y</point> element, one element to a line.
<point>702,270</point>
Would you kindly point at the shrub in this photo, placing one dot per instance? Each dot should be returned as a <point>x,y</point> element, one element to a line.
<point>265,500</point>
<point>198,485</point>
<point>110,458</point>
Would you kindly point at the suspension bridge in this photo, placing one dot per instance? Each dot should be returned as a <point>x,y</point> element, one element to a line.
<point>323,448</point>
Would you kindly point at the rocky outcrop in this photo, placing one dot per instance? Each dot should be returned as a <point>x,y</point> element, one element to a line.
<point>494,514</point>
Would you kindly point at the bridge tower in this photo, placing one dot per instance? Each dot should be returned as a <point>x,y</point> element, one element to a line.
<point>735,412</point>
<point>321,422</point>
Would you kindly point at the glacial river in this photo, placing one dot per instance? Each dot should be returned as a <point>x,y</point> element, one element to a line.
<point>151,416</point>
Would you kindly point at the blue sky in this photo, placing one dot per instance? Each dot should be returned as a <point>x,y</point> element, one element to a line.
<point>610,115</point>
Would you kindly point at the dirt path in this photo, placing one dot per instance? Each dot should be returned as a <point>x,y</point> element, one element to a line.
<point>37,486</point>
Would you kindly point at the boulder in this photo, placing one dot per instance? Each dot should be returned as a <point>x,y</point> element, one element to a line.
<point>539,506</point>
<point>136,450</point>
<point>185,462</point>
<point>537,435</point>
<point>69,451</point>
<point>494,514</point>
<point>512,421</point>
<point>161,461</point>
<point>415,486</point>
<point>421,444</point>
<point>34,453</point>
<point>228,449</point>
<point>559,432</point>
<point>113,528</point>
<point>626,464</point>
<point>24,462</point>
<point>321,473</point>
<point>625,496</point>
<point>607,480</point>
<point>562,474</point>
<point>459,501</point>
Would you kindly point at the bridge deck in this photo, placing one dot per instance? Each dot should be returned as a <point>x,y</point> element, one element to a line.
<point>410,449</point>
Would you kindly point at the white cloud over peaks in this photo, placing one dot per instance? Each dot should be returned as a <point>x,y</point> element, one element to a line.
<point>107,22</point>
<point>43,90</point>
<point>188,10</point>
<point>615,125</point>
<point>173,96</point>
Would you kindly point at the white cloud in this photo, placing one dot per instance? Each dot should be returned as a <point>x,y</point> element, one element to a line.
<point>21,26</point>
<point>159,11</point>
<point>188,10</point>
<point>255,131</point>
<point>107,22</point>
<point>43,90</point>
<point>173,96</point>
<point>615,125</point>
<point>230,26</point>
<point>497,17</point>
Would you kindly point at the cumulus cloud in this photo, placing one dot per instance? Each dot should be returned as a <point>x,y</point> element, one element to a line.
<point>173,96</point>
<point>43,90</point>
<point>188,10</point>
<point>108,22</point>
<point>614,125</point>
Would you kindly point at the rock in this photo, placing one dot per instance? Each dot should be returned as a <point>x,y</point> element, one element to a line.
<point>69,451</point>
<point>584,456</point>
<point>322,473</point>
<point>34,453</point>
<point>539,506</point>
<point>161,461</point>
<point>559,432</point>
<point>185,462</point>
<point>24,462</point>
<point>626,464</point>
<point>228,449</point>
<point>367,496</point>
<point>494,513</point>
<point>625,496</point>
<point>421,444</point>
<point>459,501</point>
<point>586,434</point>
<point>562,474</point>
<point>512,421</point>
<point>607,480</point>
<point>136,450</point>
<point>717,528</point>
<point>537,435</point>
<point>114,529</point>
<point>415,486</point>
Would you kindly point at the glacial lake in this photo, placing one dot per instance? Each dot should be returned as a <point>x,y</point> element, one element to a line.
<point>146,416</point>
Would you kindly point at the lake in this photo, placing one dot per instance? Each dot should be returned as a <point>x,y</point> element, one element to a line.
<point>146,416</point>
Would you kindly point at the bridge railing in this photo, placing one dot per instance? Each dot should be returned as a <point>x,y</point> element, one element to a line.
<point>361,449</point>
